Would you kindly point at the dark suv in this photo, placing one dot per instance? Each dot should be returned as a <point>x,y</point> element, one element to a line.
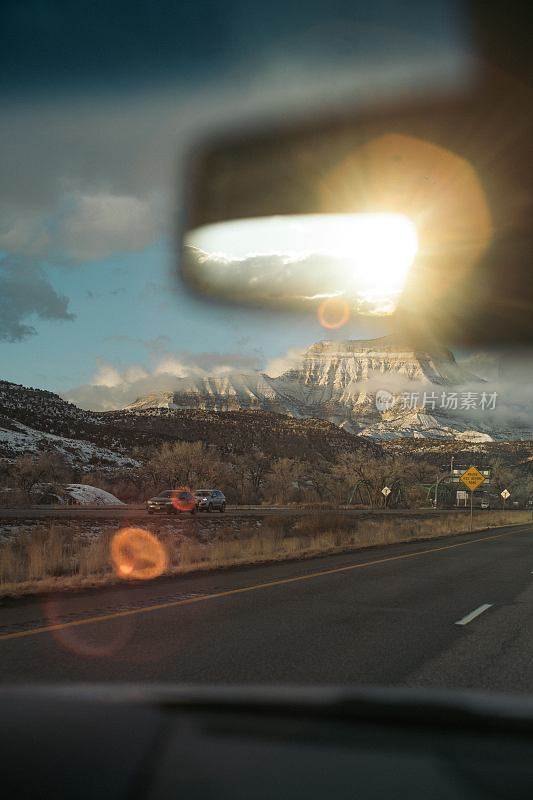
<point>210,500</point>
<point>172,501</point>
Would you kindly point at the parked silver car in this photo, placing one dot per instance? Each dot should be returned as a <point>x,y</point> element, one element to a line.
<point>210,500</point>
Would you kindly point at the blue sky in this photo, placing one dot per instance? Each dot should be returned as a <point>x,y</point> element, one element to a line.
<point>130,310</point>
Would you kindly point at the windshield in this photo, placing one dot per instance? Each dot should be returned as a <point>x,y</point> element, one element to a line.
<point>373,521</point>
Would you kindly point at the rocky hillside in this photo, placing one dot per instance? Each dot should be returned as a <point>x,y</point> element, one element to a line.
<point>32,421</point>
<point>339,382</point>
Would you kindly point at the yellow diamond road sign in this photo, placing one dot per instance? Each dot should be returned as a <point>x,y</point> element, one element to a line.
<point>472,478</point>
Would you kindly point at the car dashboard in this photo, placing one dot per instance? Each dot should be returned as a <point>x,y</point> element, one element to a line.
<point>164,742</point>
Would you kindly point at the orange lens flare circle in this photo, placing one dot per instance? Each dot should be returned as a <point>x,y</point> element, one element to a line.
<point>182,499</point>
<point>333,313</point>
<point>137,554</point>
<point>88,641</point>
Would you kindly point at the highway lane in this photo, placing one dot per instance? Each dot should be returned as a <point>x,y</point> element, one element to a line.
<point>385,616</point>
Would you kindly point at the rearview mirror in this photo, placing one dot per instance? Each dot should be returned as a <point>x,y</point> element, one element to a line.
<point>421,212</point>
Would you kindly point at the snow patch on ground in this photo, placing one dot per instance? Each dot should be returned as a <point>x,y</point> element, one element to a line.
<point>23,439</point>
<point>91,495</point>
<point>473,436</point>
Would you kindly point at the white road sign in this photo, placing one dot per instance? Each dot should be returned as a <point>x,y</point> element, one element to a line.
<point>386,491</point>
<point>505,494</point>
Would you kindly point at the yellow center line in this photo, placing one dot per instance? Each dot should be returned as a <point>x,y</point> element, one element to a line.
<point>254,587</point>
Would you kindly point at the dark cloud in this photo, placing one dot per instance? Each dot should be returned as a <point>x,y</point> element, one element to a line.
<point>60,45</point>
<point>25,291</point>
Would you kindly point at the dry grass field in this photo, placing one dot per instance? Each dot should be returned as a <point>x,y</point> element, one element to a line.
<point>52,558</point>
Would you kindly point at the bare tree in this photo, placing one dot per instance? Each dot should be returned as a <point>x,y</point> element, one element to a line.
<point>281,483</point>
<point>184,464</point>
<point>28,471</point>
<point>348,471</point>
<point>249,472</point>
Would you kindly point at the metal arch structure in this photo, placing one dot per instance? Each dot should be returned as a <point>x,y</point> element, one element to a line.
<point>445,492</point>
<point>430,492</point>
<point>398,493</point>
<point>366,484</point>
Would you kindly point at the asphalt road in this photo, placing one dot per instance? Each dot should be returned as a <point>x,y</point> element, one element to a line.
<point>137,511</point>
<point>387,616</point>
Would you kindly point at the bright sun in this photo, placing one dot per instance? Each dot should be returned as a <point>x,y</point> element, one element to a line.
<point>379,248</point>
<point>363,257</point>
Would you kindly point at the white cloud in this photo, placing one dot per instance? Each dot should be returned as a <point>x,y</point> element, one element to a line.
<point>486,365</point>
<point>277,366</point>
<point>87,227</point>
<point>24,234</point>
<point>223,369</point>
<point>111,388</point>
<point>135,373</point>
<point>101,224</point>
<point>107,375</point>
<point>171,366</point>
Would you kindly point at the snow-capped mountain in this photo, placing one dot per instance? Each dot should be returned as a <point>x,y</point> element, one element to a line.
<point>345,363</point>
<point>228,392</point>
<point>343,381</point>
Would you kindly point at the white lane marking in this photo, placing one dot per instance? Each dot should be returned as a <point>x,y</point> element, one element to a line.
<point>473,614</point>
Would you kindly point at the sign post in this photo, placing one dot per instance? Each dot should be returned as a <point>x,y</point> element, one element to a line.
<point>505,494</point>
<point>439,479</point>
<point>385,492</point>
<point>472,479</point>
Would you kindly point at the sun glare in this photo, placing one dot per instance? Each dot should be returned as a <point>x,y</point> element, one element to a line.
<point>364,258</point>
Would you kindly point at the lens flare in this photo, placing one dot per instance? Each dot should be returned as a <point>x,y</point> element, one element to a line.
<point>333,313</point>
<point>137,554</point>
<point>183,499</point>
<point>89,641</point>
<point>443,196</point>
